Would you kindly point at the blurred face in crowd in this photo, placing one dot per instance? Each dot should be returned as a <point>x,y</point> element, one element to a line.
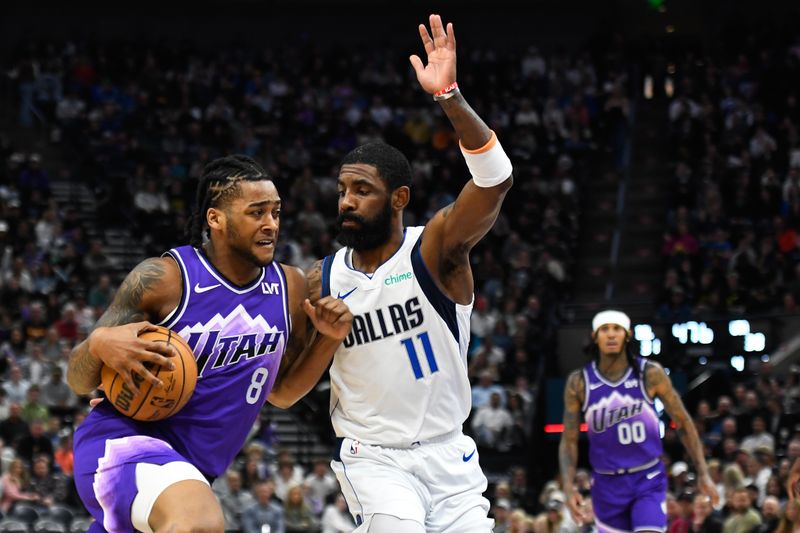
<point>365,208</point>
<point>741,501</point>
<point>234,481</point>
<point>771,508</point>
<point>702,506</point>
<point>264,492</point>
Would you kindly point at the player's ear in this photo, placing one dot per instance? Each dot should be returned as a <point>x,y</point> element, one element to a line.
<point>215,218</point>
<point>400,197</point>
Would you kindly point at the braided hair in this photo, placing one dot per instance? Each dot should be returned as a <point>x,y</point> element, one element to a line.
<point>220,183</point>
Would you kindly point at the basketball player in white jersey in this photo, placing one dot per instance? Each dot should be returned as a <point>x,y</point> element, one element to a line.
<point>399,386</point>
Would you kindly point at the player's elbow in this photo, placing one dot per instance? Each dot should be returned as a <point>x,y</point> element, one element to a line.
<point>281,398</point>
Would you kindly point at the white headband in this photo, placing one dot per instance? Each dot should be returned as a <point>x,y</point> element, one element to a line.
<point>611,317</point>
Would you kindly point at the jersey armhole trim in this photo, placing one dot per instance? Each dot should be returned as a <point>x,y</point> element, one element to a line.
<point>586,389</point>
<point>172,318</point>
<point>445,307</point>
<point>287,314</point>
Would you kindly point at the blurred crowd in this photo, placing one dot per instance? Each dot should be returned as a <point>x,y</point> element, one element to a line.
<point>750,438</point>
<point>732,241</point>
<point>136,124</point>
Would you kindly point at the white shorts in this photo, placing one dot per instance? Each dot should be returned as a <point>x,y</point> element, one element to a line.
<point>439,485</point>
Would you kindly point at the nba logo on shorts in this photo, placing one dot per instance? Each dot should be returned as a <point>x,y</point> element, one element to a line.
<point>354,447</point>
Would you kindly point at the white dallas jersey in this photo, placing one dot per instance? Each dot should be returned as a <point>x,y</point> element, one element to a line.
<point>400,376</point>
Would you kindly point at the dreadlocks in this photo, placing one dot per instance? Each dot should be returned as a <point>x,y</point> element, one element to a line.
<point>220,183</point>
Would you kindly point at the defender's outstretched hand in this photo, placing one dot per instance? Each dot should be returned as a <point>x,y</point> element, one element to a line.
<point>440,45</point>
<point>330,316</point>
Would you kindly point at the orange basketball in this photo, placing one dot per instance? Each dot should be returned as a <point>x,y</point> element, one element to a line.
<point>149,403</point>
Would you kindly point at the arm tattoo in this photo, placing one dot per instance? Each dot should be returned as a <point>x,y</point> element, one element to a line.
<point>674,407</point>
<point>126,305</point>
<point>83,371</point>
<point>568,448</point>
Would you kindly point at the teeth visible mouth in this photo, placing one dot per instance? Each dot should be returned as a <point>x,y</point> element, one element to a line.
<point>265,243</point>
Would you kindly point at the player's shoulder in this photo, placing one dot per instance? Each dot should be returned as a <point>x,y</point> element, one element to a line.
<point>576,381</point>
<point>152,270</point>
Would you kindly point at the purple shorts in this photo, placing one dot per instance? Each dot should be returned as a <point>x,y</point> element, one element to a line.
<point>631,502</point>
<point>105,476</point>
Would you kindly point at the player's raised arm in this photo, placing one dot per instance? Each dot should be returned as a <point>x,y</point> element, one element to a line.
<point>317,330</point>
<point>458,227</point>
<point>148,293</point>
<point>659,385</point>
<point>568,447</point>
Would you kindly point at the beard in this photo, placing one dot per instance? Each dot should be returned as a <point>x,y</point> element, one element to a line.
<point>371,233</point>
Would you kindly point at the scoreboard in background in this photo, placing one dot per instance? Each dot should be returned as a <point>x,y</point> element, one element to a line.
<point>738,343</point>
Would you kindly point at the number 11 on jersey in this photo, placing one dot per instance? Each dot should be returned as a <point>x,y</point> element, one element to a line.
<point>412,354</point>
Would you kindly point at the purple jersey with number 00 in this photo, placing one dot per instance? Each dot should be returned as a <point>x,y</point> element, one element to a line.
<point>623,426</point>
<point>238,335</point>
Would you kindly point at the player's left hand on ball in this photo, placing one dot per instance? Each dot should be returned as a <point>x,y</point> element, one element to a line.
<point>331,317</point>
<point>94,402</point>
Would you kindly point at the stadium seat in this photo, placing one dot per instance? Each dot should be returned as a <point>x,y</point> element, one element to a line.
<point>24,512</point>
<point>48,525</point>
<point>9,525</point>
<point>60,514</point>
<point>80,525</point>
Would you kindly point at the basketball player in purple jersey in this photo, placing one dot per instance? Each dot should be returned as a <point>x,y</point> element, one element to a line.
<point>615,393</point>
<point>246,318</point>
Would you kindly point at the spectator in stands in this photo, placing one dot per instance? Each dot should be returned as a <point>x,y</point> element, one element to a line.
<point>298,516</point>
<point>483,390</point>
<point>264,512</point>
<point>682,522</point>
<point>67,325</point>
<point>759,438</point>
<point>743,518</point>
<point>56,394</point>
<point>501,511</point>
<point>63,456</point>
<point>492,425</point>
<point>320,484</point>
<point>50,487</point>
<point>14,486</point>
<point>34,410</point>
<point>335,516</point>
<point>703,519</point>
<point>288,476</point>
<point>35,443</point>
<point>35,366</point>
<point>233,499</point>
<point>771,514</point>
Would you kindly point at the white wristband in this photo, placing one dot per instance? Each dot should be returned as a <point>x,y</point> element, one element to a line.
<point>489,164</point>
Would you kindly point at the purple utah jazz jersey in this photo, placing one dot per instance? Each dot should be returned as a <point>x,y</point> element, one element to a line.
<point>238,335</point>
<point>623,425</point>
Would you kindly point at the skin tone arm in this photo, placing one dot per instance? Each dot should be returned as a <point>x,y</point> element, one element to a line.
<point>311,346</point>
<point>793,481</point>
<point>453,231</point>
<point>149,292</point>
<point>568,447</point>
<point>659,385</point>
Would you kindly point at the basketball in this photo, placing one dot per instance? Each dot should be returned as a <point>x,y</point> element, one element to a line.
<point>149,403</point>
